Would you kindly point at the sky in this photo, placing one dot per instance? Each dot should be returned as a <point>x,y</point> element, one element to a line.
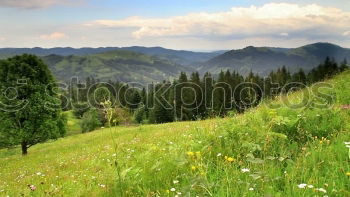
<point>201,25</point>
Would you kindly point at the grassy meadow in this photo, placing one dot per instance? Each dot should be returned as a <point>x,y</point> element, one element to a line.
<point>270,150</point>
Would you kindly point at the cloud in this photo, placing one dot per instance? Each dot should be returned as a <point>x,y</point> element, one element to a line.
<point>54,36</point>
<point>346,33</point>
<point>2,38</point>
<point>36,4</point>
<point>269,20</point>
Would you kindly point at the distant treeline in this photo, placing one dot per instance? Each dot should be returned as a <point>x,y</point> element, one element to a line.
<point>192,97</point>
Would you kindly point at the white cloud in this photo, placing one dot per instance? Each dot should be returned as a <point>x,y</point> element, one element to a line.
<point>54,36</point>
<point>346,33</point>
<point>308,21</point>
<point>2,38</point>
<point>34,4</point>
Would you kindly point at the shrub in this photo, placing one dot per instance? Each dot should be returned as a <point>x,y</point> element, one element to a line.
<point>91,120</point>
<point>140,115</point>
<point>79,109</point>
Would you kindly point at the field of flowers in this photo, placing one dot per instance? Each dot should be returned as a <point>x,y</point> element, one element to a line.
<point>268,151</point>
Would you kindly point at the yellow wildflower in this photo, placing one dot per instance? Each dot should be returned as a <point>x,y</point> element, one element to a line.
<point>190,153</point>
<point>230,159</point>
<point>193,167</point>
<point>348,174</point>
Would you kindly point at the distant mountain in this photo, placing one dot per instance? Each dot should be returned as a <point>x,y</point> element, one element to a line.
<point>126,66</point>
<point>142,64</point>
<point>188,58</point>
<point>264,59</point>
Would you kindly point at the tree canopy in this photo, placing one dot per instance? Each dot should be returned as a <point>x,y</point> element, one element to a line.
<point>30,107</point>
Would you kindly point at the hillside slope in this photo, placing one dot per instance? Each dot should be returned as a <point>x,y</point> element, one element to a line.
<point>118,65</point>
<point>264,152</point>
<point>266,59</point>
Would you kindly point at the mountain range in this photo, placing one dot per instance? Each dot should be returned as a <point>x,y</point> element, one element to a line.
<point>154,64</point>
<point>264,59</point>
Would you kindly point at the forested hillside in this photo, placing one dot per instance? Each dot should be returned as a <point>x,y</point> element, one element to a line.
<point>116,65</point>
<point>264,59</point>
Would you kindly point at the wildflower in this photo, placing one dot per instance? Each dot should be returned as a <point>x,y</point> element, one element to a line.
<point>172,189</point>
<point>302,186</point>
<point>219,155</point>
<point>102,185</point>
<point>167,191</point>
<point>345,107</point>
<point>38,173</point>
<point>244,170</point>
<point>190,153</point>
<point>193,168</point>
<point>348,174</point>
<point>310,186</point>
<point>32,187</point>
<point>175,181</point>
<point>229,159</point>
<point>347,146</point>
<point>347,143</point>
<point>321,190</point>
<point>251,189</point>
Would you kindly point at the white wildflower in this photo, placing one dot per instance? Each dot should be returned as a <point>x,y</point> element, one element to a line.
<point>219,154</point>
<point>38,173</point>
<point>244,170</point>
<point>302,186</point>
<point>347,143</point>
<point>310,186</point>
<point>321,190</point>
<point>175,181</point>
<point>172,189</point>
<point>102,185</point>
<point>251,189</point>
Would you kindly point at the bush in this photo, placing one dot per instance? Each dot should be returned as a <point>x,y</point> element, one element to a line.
<point>140,115</point>
<point>91,120</point>
<point>79,109</point>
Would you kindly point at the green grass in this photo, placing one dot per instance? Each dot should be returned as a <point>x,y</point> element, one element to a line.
<point>73,124</point>
<point>278,146</point>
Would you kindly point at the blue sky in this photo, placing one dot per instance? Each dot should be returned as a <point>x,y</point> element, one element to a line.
<point>178,24</point>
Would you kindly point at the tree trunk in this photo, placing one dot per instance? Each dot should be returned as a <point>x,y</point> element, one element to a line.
<point>24,148</point>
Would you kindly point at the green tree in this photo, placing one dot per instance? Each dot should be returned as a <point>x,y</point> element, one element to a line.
<point>80,108</point>
<point>90,120</point>
<point>343,65</point>
<point>30,108</point>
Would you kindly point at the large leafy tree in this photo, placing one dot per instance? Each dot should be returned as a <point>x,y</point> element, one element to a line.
<point>30,107</point>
